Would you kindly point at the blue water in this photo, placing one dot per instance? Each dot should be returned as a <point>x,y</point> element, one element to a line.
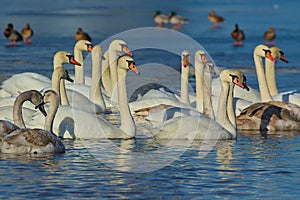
<point>255,166</point>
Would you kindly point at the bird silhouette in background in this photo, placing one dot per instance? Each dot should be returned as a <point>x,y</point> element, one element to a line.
<point>11,34</point>
<point>27,33</point>
<point>81,35</point>
<point>160,19</point>
<point>238,36</point>
<point>269,36</point>
<point>214,18</point>
<point>177,20</point>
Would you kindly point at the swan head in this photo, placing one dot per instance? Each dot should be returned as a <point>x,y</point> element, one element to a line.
<point>35,98</point>
<point>264,51</point>
<point>201,55</point>
<point>49,96</point>
<point>209,67</point>
<point>235,77</point>
<point>185,58</point>
<point>62,73</point>
<point>120,47</point>
<point>84,45</point>
<point>63,57</point>
<point>127,62</point>
<point>278,53</point>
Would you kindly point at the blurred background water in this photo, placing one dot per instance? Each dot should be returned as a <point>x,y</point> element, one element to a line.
<point>255,166</point>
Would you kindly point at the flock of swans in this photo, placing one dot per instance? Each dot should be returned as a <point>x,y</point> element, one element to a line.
<point>79,109</point>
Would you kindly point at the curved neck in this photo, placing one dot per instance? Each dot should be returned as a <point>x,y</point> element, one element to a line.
<point>263,88</point>
<point>271,77</point>
<point>199,84</point>
<point>17,109</point>
<point>127,123</point>
<point>207,103</point>
<point>53,106</point>
<point>105,78</point>
<point>79,70</point>
<point>58,85</point>
<point>113,74</point>
<point>184,97</point>
<point>224,111</point>
<point>95,91</point>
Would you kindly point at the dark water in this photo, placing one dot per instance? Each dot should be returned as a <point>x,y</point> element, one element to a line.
<point>255,166</point>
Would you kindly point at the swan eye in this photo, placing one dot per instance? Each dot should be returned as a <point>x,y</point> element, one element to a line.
<point>281,52</point>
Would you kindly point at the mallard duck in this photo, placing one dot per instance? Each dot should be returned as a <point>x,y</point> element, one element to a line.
<point>81,35</point>
<point>177,20</point>
<point>160,18</point>
<point>238,36</point>
<point>270,35</point>
<point>27,33</point>
<point>214,18</point>
<point>11,34</point>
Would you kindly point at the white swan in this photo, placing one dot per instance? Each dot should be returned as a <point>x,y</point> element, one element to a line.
<point>286,96</point>
<point>109,65</point>
<point>17,113</point>
<point>80,46</point>
<point>92,91</point>
<point>202,127</point>
<point>268,114</point>
<point>36,140</point>
<point>76,123</point>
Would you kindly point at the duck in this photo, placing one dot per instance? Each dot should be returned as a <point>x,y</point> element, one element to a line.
<point>27,33</point>
<point>203,127</point>
<point>238,36</point>
<point>11,34</point>
<point>214,18</point>
<point>6,126</point>
<point>36,141</point>
<point>81,35</point>
<point>177,20</point>
<point>269,36</point>
<point>160,19</point>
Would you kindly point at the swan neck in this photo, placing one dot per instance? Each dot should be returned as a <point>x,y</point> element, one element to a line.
<point>17,109</point>
<point>199,66</point>
<point>263,88</point>
<point>113,68</point>
<point>223,112</point>
<point>184,97</point>
<point>127,123</point>
<point>271,77</point>
<point>95,91</point>
<point>51,114</point>
<point>79,70</point>
<point>207,102</point>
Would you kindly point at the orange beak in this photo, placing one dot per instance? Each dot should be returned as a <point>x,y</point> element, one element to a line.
<point>89,47</point>
<point>185,62</point>
<point>283,59</point>
<point>241,85</point>
<point>269,56</point>
<point>133,68</point>
<point>126,50</point>
<point>73,61</point>
<point>203,58</point>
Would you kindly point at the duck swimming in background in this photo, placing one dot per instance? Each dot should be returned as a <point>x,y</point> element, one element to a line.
<point>81,35</point>
<point>177,20</point>
<point>238,36</point>
<point>214,18</point>
<point>269,36</point>
<point>11,34</point>
<point>27,33</point>
<point>160,19</point>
